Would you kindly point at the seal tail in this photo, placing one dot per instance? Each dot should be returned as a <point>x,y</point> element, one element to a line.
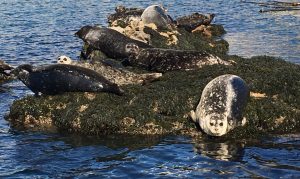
<point>116,90</point>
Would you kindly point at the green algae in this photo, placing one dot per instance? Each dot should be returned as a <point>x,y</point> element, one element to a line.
<point>162,107</point>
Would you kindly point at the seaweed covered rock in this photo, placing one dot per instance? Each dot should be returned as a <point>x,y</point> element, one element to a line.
<point>162,107</point>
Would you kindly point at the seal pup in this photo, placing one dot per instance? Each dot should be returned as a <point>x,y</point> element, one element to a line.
<point>162,60</point>
<point>111,42</point>
<point>221,105</point>
<point>118,76</point>
<point>59,78</point>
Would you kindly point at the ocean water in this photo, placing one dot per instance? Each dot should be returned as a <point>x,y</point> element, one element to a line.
<point>38,32</point>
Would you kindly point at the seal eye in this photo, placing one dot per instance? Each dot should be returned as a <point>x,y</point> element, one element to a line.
<point>65,59</point>
<point>211,124</point>
<point>221,124</point>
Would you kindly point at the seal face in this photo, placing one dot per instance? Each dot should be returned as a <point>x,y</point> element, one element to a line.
<point>221,105</point>
<point>109,41</point>
<point>59,78</point>
<point>161,60</point>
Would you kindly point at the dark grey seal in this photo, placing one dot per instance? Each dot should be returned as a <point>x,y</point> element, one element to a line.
<point>59,78</point>
<point>109,41</point>
<point>162,60</point>
<point>221,105</point>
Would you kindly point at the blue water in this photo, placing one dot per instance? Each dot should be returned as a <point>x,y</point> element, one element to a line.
<point>39,31</point>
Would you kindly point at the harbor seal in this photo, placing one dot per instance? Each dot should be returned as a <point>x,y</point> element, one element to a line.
<point>111,42</point>
<point>221,105</point>
<point>162,60</point>
<point>157,15</point>
<point>118,76</point>
<point>59,78</point>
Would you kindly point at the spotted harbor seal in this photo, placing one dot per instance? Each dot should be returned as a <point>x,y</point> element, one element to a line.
<point>118,76</point>
<point>109,41</point>
<point>59,78</point>
<point>161,60</point>
<point>221,105</point>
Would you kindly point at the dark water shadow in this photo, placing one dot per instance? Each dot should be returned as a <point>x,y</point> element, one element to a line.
<point>220,149</point>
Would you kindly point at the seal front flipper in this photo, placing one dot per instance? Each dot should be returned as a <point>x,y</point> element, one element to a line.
<point>193,116</point>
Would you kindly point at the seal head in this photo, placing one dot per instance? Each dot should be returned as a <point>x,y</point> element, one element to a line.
<point>221,105</point>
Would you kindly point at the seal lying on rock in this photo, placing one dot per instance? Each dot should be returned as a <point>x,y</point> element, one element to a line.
<point>59,78</point>
<point>118,76</point>
<point>161,60</point>
<point>157,15</point>
<point>109,41</point>
<point>221,105</point>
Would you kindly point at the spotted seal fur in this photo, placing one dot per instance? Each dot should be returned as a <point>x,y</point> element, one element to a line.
<point>221,105</point>
<point>118,76</point>
<point>109,41</point>
<point>59,78</point>
<point>161,60</point>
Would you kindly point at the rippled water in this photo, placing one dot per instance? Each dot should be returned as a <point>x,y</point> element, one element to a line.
<point>40,31</point>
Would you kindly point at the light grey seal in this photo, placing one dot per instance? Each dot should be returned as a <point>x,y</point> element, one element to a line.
<point>59,78</point>
<point>156,14</point>
<point>221,105</point>
<point>118,76</point>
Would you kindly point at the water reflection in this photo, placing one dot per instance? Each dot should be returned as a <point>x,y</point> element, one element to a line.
<point>226,151</point>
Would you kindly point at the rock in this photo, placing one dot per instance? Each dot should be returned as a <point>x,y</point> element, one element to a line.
<point>123,15</point>
<point>194,20</point>
<point>109,41</point>
<point>162,107</point>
